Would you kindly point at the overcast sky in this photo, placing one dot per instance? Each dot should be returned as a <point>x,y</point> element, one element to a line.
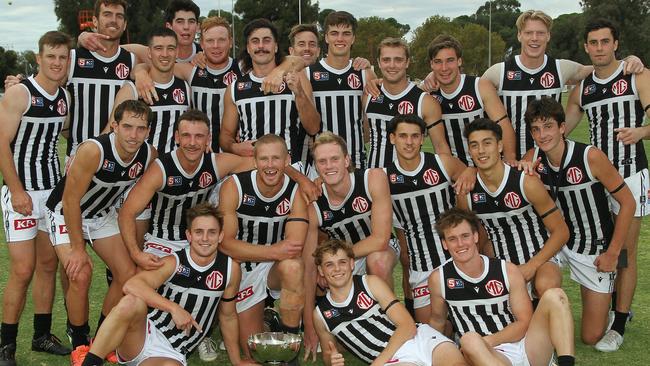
<point>24,21</point>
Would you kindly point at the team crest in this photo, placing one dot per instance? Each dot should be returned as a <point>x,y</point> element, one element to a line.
<point>214,280</point>
<point>589,89</point>
<point>547,80</point>
<point>574,175</point>
<point>205,180</point>
<point>514,75</point>
<point>321,75</point>
<point>108,165</point>
<point>122,71</point>
<point>174,181</point>
<point>512,200</point>
<point>478,198</point>
<point>466,103</point>
<point>619,87</point>
<point>494,287</point>
<point>37,101</point>
<point>230,77</point>
<point>431,177</point>
<point>178,95</point>
<point>62,107</point>
<point>360,205</point>
<point>405,107</point>
<point>453,283</point>
<point>283,207</point>
<point>353,81</point>
<point>135,170</point>
<point>396,178</point>
<point>86,63</point>
<point>364,301</point>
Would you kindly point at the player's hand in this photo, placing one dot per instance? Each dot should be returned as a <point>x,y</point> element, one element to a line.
<point>360,63</point>
<point>145,86</point>
<point>430,84</point>
<point>321,283</point>
<point>287,249</point>
<point>92,41</point>
<point>199,60</point>
<point>528,271</point>
<point>606,262</point>
<point>633,65</point>
<point>293,82</point>
<point>310,190</point>
<point>527,167</point>
<point>336,358</point>
<point>21,202</point>
<point>628,135</point>
<point>184,320</point>
<point>77,260</point>
<point>273,81</point>
<point>146,261</point>
<point>243,148</point>
<point>310,341</point>
<point>466,181</point>
<point>12,80</point>
<point>372,87</point>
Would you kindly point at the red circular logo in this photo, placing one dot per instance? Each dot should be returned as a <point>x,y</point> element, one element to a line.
<point>205,180</point>
<point>364,301</point>
<point>466,103</point>
<point>512,200</point>
<point>360,205</point>
<point>405,107</point>
<point>353,81</point>
<point>62,107</point>
<point>494,287</point>
<point>619,87</point>
<point>574,175</point>
<point>283,207</point>
<point>214,280</point>
<point>122,71</point>
<point>179,96</point>
<point>431,177</point>
<point>547,80</point>
<point>135,170</point>
<point>230,77</point>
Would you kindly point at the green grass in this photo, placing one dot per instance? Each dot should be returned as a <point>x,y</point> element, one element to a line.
<point>632,352</point>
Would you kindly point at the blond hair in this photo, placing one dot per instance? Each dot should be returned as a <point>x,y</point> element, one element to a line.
<point>329,138</point>
<point>534,15</point>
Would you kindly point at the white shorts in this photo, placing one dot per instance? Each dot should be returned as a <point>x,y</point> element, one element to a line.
<point>515,352</point>
<point>419,349</point>
<point>583,271</point>
<point>639,184</point>
<point>253,285</point>
<point>144,215</point>
<point>419,282</point>
<point>155,345</point>
<point>162,247</point>
<point>19,227</point>
<point>360,263</point>
<point>92,229</point>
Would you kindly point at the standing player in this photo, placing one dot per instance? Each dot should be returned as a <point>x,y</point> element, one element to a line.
<point>463,98</point>
<point>304,43</point>
<point>616,105</point>
<point>182,16</point>
<point>522,221</point>
<point>363,315</point>
<point>487,302</point>
<point>32,114</point>
<point>81,208</point>
<point>265,229</point>
<point>580,178</point>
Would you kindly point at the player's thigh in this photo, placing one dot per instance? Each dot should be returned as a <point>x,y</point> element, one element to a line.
<point>22,257</point>
<point>45,253</point>
<point>447,354</point>
<point>113,252</point>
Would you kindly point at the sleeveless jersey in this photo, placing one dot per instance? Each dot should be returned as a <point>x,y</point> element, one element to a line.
<point>196,48</point>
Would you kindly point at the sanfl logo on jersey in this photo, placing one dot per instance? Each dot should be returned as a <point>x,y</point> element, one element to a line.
<point>378,99</point>
<point>332,313</point>
<point>514,75</point>
<point>478,198</point>
<point>453,283</point>
<point>248,200</point>
<point>183,271</point>
<point>321,75</point>
<point>37,101</point>
<point>108,165</point>
<point>589,89</point>
<point>174,181</point>
<point>542,169</point>
<point>328,215</point>
<point>396,178</point>
<point>202,73</point>
<point>244,85</point>
<point>86,63</point>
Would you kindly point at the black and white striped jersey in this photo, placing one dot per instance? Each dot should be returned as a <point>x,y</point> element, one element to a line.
<point>262,219</point>
<point>34,147</point>
<point>610,104</point>
<point>359,323</point>
<point>208,90</point>
<point>480,304</point>
<point>419,197</point>
<point>178,191</point>
<point>516,231</point>
<point>338,95</point>
<point>93,82</point>
<point>112,178</point>
<point>379,111</point>
<point>350,220</point>
<point>520,85</point>
<point>459,109</point>
<point>582,198</point>
<point>198,290</point>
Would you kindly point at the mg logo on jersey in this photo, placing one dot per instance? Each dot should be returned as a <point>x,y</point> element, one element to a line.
<point>512,200</point>
<point>283,207</point>
<point>214,280</point>
<point>122,71</point>
<point>245,293</point>
<point>431,177</point>
<point>421,291</point>
<point>364,301</point>
<point>405,107</point>
<point>353,81</point>
<point>230,77</point>
<point>179,96</point>
<point>62,107</point>
<point>22,224</point>
<point>494,287</point>
<point>547,80</point>
<point>360,205</point>
<point>466,103</point>
<point>135,170</point>
<point>619,87</point>
<point>205,180</point>
<point>574,175</point>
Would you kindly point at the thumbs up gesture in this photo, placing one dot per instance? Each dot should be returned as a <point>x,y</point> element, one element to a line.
<point>336,359</point>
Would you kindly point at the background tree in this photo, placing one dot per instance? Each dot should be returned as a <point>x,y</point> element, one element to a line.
<point>237,27</point>
<point>566,38</point>
<point>26,63</point>
<point>504,17</point>
<point>370,32</point>
<point>8,63</point>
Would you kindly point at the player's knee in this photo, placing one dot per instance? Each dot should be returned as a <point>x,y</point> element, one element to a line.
<point>291,269</point>
<point>471,342</point>
<point>82,280</point>
<point>124,273</point>
<point>380,264</point>
<point>591,337</point>
<point>555,297</point>
<point>22,272</point>
<point>129,306</point>
<point>48,265</point>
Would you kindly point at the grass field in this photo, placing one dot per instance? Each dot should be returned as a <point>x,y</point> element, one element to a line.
<point>633,351</point>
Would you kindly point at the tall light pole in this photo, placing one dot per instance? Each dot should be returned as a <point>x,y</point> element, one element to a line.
<point>232,13</point>
<point>299,12</point>
<point>490,37</point>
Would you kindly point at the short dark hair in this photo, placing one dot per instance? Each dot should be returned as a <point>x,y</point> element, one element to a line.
<point>600,23</point>
<point>252,26</point>
<point>180,5</point>
<point>299,28</point>
<point>543,109</point>
<point>331,246</point>
<point>54,39</point>
<point>203,209</point>
<point>444,41</point>
<point>194,115</point>
<point>454,217</point>
<point>161,32</point>
<point>406,118</point>
<point>137,107</point>
<point>484,124</point>
<point>340,18</point>
<point>99,3</point>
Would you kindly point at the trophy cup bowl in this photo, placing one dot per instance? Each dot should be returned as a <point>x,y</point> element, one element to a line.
<point>274,348</point>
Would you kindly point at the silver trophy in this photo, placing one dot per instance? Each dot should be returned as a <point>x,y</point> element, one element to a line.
<point>274,348</point>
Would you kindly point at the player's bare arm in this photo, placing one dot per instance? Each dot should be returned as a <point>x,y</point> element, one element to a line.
<point>310,337</point>
<point>439,309</point>
<point>381,215</point>
<point>432,115</point>
<point>301,88</point>
<point>633,135</point>
<point>331,355</point>
<point>228,319</point>
<point>573,111</point>
<point>230,126</point>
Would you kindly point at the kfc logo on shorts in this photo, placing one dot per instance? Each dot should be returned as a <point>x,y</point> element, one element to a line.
<point>494,287</point>
<point>135,170</point>
<point>420,291</point>
<point>547,80</point>
<point>283,207</point>
<point>512,200</point>
<point>22,224</point>
<point>122,71</point>
<point>574,175</point>
<point>160,248</point>
<point>466,103</point>
<point>63,229</point>
<point>245,293</point>
<point>205,180</point>
<point>179,96</point>
<point>360,205</point>
<point>214,280</point>
<point>619,87</point>
<point>364,301</point>
<point>431,177</point>
<point>230,77</point>
<point>62,107</point>
<point>353,81</point>
<point>405,107</point>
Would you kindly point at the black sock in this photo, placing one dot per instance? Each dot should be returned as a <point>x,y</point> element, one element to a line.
<point>8,333</point>
<point>42,325</point>
<point>92,360</point>
<point>79,335</point>
<point>101,319</point>
<point>287,329</point>
<point>566,360</point>
<point>613,306</point>
<point>409,306</point>
<point>619,322</point>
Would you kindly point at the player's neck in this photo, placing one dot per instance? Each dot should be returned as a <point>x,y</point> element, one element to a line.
<point>218,66</point>
<point>337,193</point>
<point>112,47</point>
<point>266,190</point>
<point>188,165</point>
<point>201,261</point>
<point>531,62</point>
<point>493,176</point>
<point>340,294</point>
<point>409,164</point>
<point>161,77</point>
<point>337,62</point>
<point>124,155</point>
<point>262,71</point>
<point>396,87</point>
<point>185,51</point>
<point>49,85</point>
<point>555,154</point>
<point>473,267</point>
<point>604,72</point>
<point>450,88</point>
